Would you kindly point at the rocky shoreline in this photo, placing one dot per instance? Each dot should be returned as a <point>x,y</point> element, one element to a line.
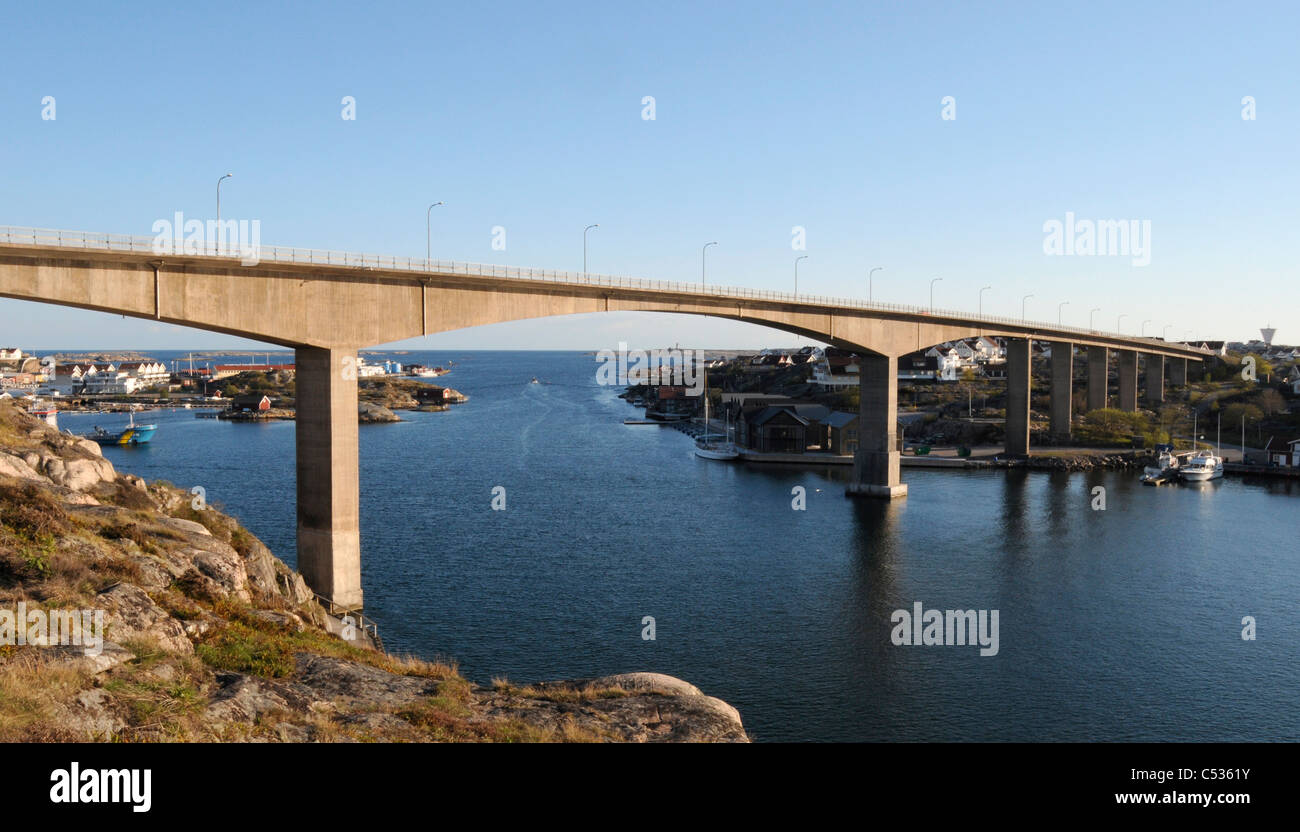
<point>207,636</point>
<point>1117,461</point>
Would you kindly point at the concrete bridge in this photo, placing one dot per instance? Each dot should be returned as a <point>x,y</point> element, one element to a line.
<point>328,305</point>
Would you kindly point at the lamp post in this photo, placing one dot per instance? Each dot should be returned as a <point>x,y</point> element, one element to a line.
<point>869,284</point>
<point>1059,307</point>
<point>982,288</point>
<point>584,245</point>
<point>1143,332</point>
<point>1022,306</point>
<point>1119,321</point>
<point>428,233</point>
<point>932,282</point>
<point>220,236</point>
<point>702,251</point>
<point>1092,312</point>
<point>796,272</point>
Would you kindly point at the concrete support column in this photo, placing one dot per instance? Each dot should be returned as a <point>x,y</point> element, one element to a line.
<point>1127,361</point>
<point>1155,391</point>
<point>329,492</point>
<point>1017,396</point>
<point>1098,377</point>
<point>877,461</point>
<point>1178,372</point>
<point>1062,388</point>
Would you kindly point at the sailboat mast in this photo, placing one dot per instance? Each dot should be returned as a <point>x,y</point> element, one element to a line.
<point>706,400</point>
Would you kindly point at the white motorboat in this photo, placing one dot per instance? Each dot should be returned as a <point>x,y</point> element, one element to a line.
<point>1166,464</point>
<point>1202,466</point>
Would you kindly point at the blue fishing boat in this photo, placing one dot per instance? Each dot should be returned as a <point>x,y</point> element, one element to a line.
<point>133,434</point>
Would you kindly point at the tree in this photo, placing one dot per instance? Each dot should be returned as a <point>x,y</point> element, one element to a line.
<point>1270,402</point>
<point>1234,413</point>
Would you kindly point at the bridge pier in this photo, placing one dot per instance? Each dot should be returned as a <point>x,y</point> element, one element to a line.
<point>1128,379</point>
<point>1062,388</point>
<point>329,492</point>
<point>1155,381</point>
<point>877,461</point>
<point>1178,372</point>
<point>1017,424</point>
<point>1098,377</point>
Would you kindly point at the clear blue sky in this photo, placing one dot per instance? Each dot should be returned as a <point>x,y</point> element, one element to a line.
<point>528,116</point>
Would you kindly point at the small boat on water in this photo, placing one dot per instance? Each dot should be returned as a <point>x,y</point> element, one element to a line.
<point>133,434</point>
<point>1166,464</point>
<point>1203,466</point>
<point>714,445</point>
<point>534,381</point>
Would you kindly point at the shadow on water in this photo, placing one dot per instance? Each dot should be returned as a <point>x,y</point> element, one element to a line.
<point>876,562</point>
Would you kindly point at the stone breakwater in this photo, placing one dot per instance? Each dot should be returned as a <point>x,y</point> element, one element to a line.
<point>209,637</point>
<point>1118,461</point>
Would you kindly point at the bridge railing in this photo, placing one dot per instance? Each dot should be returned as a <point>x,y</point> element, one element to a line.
<point>163,246</point>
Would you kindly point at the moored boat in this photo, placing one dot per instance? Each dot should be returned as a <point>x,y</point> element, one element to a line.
<point>132,434</point>
<point>1202,466</point>
<point>714,445</point>
<point>1166,464</point>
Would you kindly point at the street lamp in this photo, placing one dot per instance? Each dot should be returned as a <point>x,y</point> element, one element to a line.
<point>706,248</point>
<point>1059,307</point>
<point>1092,312</point>
<point>796,273</point>
<point>428,235</point>
<point>584,245</point>
<point>869,274</point>
<point>1144,327</point>
<point>1119,321</point>
<point>227,176</point>
<point>932,282</point>
<point>1022,306</point>
<point>982,298</point>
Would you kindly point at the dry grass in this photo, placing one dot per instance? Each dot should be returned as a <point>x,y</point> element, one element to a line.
<point>560,692</point>
<point>31,696</point>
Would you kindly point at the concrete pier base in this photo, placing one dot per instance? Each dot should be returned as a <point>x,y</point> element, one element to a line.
<point>1155,380</point>
<point>1017,396</point>
<point>1127,360</point>
<point>876,464</point>
<point>1062,388</point>
<point>329,496</point>
<point>1098,377</point>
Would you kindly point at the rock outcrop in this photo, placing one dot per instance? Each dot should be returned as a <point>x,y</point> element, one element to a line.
<point>207,636</point>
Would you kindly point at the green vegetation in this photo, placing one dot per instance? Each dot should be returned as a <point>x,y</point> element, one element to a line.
<point>1118,428</point>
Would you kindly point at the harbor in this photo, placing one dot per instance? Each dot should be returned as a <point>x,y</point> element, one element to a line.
<point>421,478</point>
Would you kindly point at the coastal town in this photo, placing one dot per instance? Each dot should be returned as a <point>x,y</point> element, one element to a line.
<point>246,391</point>
<point>801,406</point>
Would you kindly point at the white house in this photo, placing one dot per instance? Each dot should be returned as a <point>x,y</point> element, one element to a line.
<point>987,348</point>
<point>107,380</point>
<point>146,373</point>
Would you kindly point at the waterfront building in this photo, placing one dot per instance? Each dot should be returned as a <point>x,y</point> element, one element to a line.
<point>251,403</point>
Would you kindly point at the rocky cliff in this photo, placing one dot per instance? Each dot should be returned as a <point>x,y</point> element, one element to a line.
<point>208,636</point>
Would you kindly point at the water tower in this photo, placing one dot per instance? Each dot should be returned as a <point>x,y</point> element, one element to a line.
<point>1268,332</point>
